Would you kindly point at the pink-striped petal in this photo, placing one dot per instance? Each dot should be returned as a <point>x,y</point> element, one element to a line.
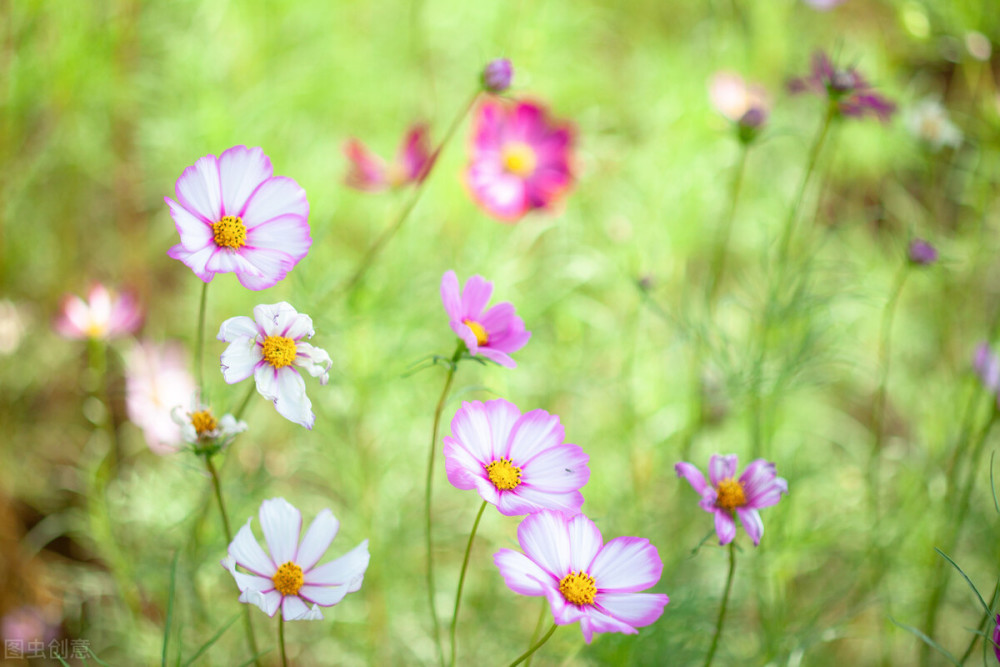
<point>585,542</point>
<point>241,170</point>
<point>560,469</point>
<point>635,609</point>
<point>694,477</point>
<point>725,526</point>
<point>626,565</point>
<point>533,433</point>
<point>721,467</point>
<point>281,524</point>
<point>544,539</point>
<point>288,234</point>
<point>520,573</point>
<point>195,233</point>
<point>199,190</point>
<point>277,197</point>
<point>750,518</point>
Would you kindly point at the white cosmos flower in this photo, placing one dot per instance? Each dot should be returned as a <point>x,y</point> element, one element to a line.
<point>289,576</point>
<point>928,121</point>
<point>269,347</point>
<point>199,426</point>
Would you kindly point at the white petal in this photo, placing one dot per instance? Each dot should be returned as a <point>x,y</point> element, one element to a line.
<point>198,189</point>
<point>241,170</point>
<point>293,608</point>
<point>325,596</point>
<point>314,360</point>
<point>267,602</point>
<point>246,551</point>
<point>239,360</point>
<point>281,524</point>
<point>237,327</point>
<point>277,197</point>
<point>317,540</point>
<point>291,400</point>
<point>276,319</point>
<point>348,570</point>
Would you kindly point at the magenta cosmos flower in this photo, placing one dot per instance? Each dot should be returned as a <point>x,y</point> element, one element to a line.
<point>156,383</point>
<point>757,487</point>
<point>521,160</point>
<point>103,315</point>
<point>268,347</point>
<point>370,173</point>
<point>235,216</point>
<point>996,638</point>
<point>517,462</point>
<point>565,559</point>
<point>289,576</point>
<point>846,88</point>
<point>495,333</point>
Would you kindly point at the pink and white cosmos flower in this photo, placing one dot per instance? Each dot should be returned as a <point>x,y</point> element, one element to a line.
<point>235,216</point>
<point>758,487</point>
<point>156,382</point>
<point>517,462</point>
<point>268,347</point>
<point>495,333</point>
<point>289,577</point>
<point>521,159</point>
<point>103,315</point>
<point>370,173</point>
<point>566,560</point>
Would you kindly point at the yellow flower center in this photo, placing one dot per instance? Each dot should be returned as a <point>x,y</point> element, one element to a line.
<point>96,329</point>
<point>730,495</point>
<point>519,158</point>
<point>481,336</point>
<point>230,232</point>
<point>279,351</point>
<point>504,475</point>
<point>203,422</point>
<point>578,588</point>
<point>288,579</point>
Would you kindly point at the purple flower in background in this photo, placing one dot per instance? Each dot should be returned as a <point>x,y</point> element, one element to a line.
<point>235,216</point>
<point>846,88</point>
<point>497,75</point>
<point>289,577</point>
<point>921,252</point>
<point>824,5</point>
<point>996,639</point>
<point>517,462</point>
<point>494,333</point>
<point>566,560</point>
<point>103,315</point>
<point>370,173</point>
<point>758,487</point>
<point>987,367</point>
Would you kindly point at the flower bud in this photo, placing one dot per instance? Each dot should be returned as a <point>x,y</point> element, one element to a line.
<point>497,75</point>
<point>921,252</point>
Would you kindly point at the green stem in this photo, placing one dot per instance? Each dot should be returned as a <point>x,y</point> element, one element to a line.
<point>217,487</point>
<point>538,628</point>
<point>941,580</point>
<point>527,654</point>
<point>725,603</point>
<point>721,247</point>
<point>386,236</point>
<point>246,401</point>
<point>281,640</point>
<point>427,497</point>
<point>461,579</point>
<point>199,343</point>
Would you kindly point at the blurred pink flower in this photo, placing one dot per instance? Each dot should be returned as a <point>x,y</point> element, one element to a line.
<point>370,173</point>
<point>268,347</point>
<point>235,216</point>
<point>29,624</point>
<point>738,100</point>
<point>519,463</point>
<point>289,577</point>
<point>846,88</point>
<point>996,638</point>
<point>824,5</point>
<point>521,160</point>
<point>757,487</point>
<point>156,382</point>
<point>566,560</point>
<point>495,333</point>
<point>103,315</point>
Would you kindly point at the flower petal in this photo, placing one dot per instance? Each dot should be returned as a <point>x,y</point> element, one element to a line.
<point>450,296</point>
<point>248,553</point>
<point>288,234</point>
<point>237,327</point>
<point>750,518</point>
<point>195,233</point>
<point>626,565</point>
<point>317,539</point>
<point>721,467</point>
<point>278,319</point>
<point>585,542</point>
<point>691,473</point>
<point>293,608</point>
<point>198,189</point>
<point>276,197</point>
<point>725,526</point>
<point>267,602</point>
<point>240,359</point>
<point>348,570</point>
<point>636,609</point>
<point>533,433</point>
<point>281,524</point>
<point>520,573</point>
<point>313,360</point>
<point>475,296</point>
<point>241,171</point>
<point>291,400</point>
<point>324,596</point>
<point>545,540</point>
<point>559,469</point>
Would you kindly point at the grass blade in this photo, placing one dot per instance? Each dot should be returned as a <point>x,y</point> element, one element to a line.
<point>170,609</point>
<point>927,640</point>
<point>207,645</point>
<point>986,607</point>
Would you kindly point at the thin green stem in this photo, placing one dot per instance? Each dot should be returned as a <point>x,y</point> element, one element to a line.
<point>281,640</point>
<point>199,343</point>
<point>217,487</point>
<point>251,390</point>
<point>940,572</point>
<point>538,628</point>
<point>722,246</point>
<point>541,642</point>
<point>418,190</point>
<point>461,580</point>
<point>725,603</point>
<point>427,497</point>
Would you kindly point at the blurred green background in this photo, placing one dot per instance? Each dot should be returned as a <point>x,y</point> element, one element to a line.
<point>105,103</point>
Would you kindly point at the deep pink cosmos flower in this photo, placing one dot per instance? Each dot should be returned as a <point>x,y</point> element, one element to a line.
<point>996,638</point>
<point>493,333</point>
<point>268,347</point>
<point>846,88</point>
<point>289,577</point>
<point>521,159</point>
<point>235,216</point>
<point>370,173</point>
<point>757,487</point>
<point>517,462</point>
<point>103,315</point>
<point>565,559</point>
